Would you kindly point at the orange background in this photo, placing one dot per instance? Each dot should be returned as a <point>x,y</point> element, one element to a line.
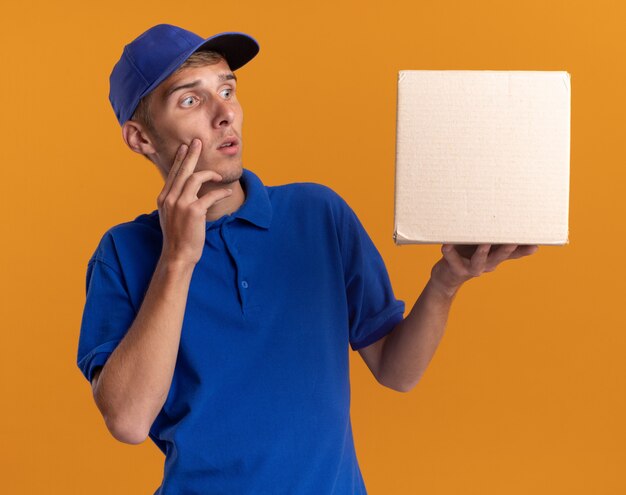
<point>526,393</point>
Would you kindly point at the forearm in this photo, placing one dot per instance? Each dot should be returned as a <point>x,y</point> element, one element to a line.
<point>411,345</point>
<point>135,381</point>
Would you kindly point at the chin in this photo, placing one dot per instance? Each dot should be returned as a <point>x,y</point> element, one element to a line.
<point>230,172</point>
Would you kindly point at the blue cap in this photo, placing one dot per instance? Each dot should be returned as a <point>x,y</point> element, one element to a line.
<point>154,55</point>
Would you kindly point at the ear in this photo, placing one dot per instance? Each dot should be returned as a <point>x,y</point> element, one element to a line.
<point>137,138</point>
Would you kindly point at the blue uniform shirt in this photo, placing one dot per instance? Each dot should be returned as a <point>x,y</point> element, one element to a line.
<point>260,397</point>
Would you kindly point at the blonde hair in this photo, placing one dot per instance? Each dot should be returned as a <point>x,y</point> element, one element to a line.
<point>197,59</point>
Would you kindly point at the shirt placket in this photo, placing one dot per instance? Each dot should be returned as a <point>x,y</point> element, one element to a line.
<point>241,273</point>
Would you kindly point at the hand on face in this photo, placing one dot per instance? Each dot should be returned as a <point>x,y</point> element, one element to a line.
<point>182,214</point>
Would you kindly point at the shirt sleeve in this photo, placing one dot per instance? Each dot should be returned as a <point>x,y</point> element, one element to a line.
<point>107,315</point>
<point>373,309</point>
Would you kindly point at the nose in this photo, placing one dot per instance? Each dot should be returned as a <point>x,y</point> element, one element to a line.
<point>224,113</point>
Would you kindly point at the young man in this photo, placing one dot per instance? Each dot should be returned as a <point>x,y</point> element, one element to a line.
<point>219,324</point>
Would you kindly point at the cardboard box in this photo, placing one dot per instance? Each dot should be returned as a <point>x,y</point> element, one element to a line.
<point>482,157</point>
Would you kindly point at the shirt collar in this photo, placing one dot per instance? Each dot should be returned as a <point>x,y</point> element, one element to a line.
<point>257,207</point>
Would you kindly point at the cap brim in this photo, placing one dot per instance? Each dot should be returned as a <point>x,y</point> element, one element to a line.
<point>237,48</point>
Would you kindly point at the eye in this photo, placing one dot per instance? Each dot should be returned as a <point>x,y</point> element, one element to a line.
<point>186,99</point>
<point>230,91</point>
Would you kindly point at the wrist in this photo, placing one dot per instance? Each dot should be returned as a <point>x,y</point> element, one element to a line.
<point>444,290</point>
<point>175,264</point>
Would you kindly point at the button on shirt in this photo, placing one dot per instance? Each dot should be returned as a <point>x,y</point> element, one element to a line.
<point>260,397</point>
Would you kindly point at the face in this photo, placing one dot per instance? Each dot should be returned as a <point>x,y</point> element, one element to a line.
<point>199,102</point>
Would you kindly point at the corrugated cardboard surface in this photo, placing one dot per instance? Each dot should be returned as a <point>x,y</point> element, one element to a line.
<point>482,157</point>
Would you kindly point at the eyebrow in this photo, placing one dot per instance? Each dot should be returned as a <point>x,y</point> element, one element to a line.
<point>192,84</point>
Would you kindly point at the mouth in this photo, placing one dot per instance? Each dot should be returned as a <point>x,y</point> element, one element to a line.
<point>229,142</point>
<point>229,146</point>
